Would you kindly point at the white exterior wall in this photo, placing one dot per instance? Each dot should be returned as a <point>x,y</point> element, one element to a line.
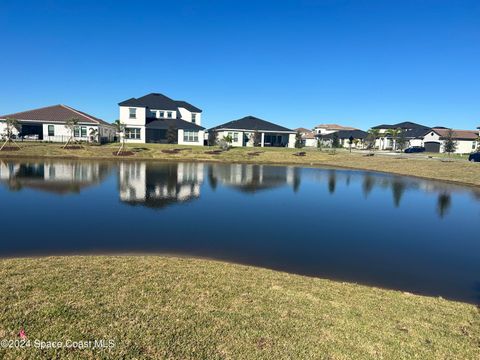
<point>463,146</point>
<point>201,137</point>
<point>187,116</point>
<point>138,122</point>
<point>310,142</point>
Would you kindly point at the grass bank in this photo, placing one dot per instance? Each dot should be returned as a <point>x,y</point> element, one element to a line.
<point>178,308</point>
<point>459,171</point>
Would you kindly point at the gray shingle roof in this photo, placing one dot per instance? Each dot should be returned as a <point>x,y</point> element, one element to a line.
<point>159,102</point>
<point>345,134</point>
<point>252,123</point>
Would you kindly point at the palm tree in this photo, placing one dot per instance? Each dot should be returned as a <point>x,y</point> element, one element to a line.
<point>11,124</point>
<point>120,127</point>
<point>71,125</point>
<point>373,135</point>
<point>394,134</point>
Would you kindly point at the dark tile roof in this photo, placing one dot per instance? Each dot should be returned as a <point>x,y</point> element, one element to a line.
<point>55,113</point>
<point>175,123</point>
<point>402,125</point>
<point>252,123</point>
<point>158,101</point>
<point>345,134</point>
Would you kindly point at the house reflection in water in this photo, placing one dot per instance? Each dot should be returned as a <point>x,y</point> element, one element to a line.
<point>252,178</point>
<point>158,185</point>
<point>59,177</point>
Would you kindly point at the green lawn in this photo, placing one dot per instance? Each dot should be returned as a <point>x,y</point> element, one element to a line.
<point>457,170</point>
<point>178,308</point>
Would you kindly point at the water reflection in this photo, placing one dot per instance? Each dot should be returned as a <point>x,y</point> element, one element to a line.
<point>59,177</point>
<point>391,231</point>
<point>158,185</point>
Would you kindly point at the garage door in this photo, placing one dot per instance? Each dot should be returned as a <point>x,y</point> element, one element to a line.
<point>432,146</point>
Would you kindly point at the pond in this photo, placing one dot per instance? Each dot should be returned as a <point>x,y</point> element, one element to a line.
<point>377,229</point>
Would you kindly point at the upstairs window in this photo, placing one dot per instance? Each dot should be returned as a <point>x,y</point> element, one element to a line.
<point>194,118</point>
<point>169,114</point>
<point>132,113</point>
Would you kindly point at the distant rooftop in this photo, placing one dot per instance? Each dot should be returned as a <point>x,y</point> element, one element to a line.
<point>252,123</point>
<point>334,127</point>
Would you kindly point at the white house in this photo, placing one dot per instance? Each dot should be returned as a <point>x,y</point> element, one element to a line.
<point>48,124</point>
<point>357,136</point>
<point>150,118</point>
<point>242,132</point>
<point>325,129</point>
<point>466,140</point>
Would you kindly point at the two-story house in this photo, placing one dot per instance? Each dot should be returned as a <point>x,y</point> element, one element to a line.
<point>155,118</point>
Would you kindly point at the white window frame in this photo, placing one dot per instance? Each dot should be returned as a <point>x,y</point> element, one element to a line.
<point>190,136</point>
<point>132,113</point>
<point>133,133</point>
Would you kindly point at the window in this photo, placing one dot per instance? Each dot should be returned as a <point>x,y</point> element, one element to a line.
<point>235,137</point>
<point>132,113</point>
<point>132,133</point>
<point>51,130</point>
<point>76,131</point>
<point>194,118</point>
<point>169,114</point>
<point>162,114</point>
<point>83,131</point>
<point>190,136</point>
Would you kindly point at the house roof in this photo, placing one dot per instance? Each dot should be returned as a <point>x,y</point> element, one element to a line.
<point>334,127</point>
<point>457,134</point>
<point>55,113</point>
<point>302,130</point>
<point>159,102</point>
<point>252,123</point>
<point>345,134</point>
<point>402,125</point>
<point>175,123</point>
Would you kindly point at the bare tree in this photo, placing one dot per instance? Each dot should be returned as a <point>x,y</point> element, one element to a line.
<point>11,125</point>
<point>71,125</point>
<point>120,128</point>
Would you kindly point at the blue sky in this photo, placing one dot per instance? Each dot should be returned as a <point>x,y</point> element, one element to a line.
<point>298,63</point>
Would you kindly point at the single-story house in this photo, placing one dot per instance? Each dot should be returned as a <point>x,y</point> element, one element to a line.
<point>308,137</point>
<point>48,124</point>
<point>413,134</point>
<point>242,132</point>
<point>358,137</point>
<point>324,129</point>
<point>466,140</point>
<point>154,118</point>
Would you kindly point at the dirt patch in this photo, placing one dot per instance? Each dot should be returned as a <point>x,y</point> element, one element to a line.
<point>10,148</point>
<point>214,152</point>
<point>301,153</point>
<point>73,147</point>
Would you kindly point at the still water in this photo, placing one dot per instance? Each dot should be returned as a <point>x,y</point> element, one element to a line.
<point>377,229</point>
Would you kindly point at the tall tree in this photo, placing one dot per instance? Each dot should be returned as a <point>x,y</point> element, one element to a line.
<point>172,135</point>
<point>11,125</point>
<point>71,125</point>
<point>394,133</point>
<point>335,141</point>
<point>449,143</point>
<point>298,140</point>
<point>402,140</point>
<point>371,140</point>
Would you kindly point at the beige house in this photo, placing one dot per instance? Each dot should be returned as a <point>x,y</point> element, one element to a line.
<point>466,140</point>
